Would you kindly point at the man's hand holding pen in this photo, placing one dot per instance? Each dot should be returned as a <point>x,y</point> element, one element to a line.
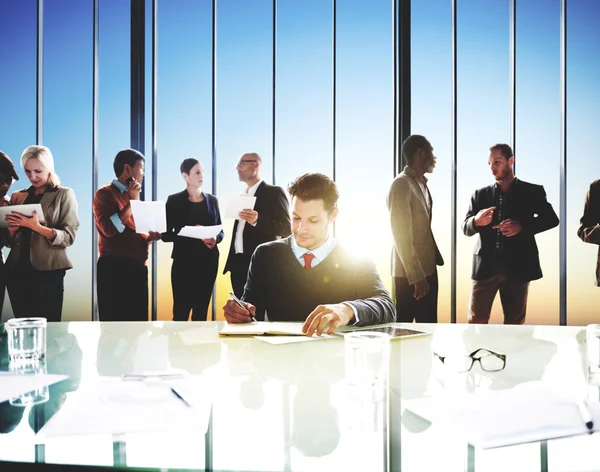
<point>241,312</point>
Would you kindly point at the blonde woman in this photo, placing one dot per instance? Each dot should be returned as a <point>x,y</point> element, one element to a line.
<point>38,258</point>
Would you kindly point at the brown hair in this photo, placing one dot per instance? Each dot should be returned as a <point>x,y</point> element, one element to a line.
<point>315,187</point>
<point>504,149</point>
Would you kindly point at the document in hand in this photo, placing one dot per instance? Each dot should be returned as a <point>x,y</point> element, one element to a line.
<point>239,203</point>
<point>26,210</point>
<point>200,232</point>
<point>262,327</point>
<point>149,216</point>
<point>529,412</point>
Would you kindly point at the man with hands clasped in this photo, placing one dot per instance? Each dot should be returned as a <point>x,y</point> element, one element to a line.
<point>307,276</point>
<point>507,215</point>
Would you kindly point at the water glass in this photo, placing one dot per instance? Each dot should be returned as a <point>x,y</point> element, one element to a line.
<point>367,355</point>
<point>26,339</point>
<point>34,397</point>
<point>592,341</point>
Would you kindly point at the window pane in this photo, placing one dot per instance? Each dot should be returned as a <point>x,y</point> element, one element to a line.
<point>483,118</point>
<point>583,167</point>
<point>184,111</point>
<point>67,132</point>
<point>364,147</point>
<point>304,128</point>
<point>431,91</point>
<point>537,150</point>
<point>244,103</point>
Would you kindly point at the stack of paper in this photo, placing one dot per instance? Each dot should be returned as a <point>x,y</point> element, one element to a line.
<point>493,418</point>
<point>149,216</point>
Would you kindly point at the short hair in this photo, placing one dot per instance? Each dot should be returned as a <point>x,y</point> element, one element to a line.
<point>504,149</point>
<point>7,168</point>
<point>188,164</point>
<point>42,154</point>
<point>253,155</point>
<point>315,187</point>
<point>410,146</point>
<point>126,156</point>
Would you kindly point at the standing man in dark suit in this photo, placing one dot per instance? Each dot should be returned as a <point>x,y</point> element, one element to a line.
<point>269,220</point>
<point>416,255</point>
<point>507,215</point>
<point>589,227</point>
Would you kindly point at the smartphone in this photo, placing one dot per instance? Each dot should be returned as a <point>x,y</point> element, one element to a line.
<point>130,180</point>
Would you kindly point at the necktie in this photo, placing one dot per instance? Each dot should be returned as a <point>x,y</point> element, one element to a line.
<point>308,257</point>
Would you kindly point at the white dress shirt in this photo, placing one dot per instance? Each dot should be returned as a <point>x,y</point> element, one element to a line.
<point>239,235</point>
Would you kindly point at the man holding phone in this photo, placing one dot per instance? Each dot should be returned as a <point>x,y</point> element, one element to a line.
<point>122,269</point>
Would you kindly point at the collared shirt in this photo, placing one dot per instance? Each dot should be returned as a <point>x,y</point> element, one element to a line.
<point>501,202</point>
<point>422,185</point>
<point>320,254</point>
<point>115,218</point>
<point>239,235</point>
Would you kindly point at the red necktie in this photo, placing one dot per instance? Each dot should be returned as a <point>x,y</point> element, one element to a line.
<point>308,257</point>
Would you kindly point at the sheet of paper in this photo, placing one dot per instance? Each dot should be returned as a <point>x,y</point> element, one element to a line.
<point>237,204</point>
<point>13,385</point>
<point>200,232</point>
<point>26,210</point>
<point>149,216</point>
<point>292,339</point>
<point>115,406</point>
<point>263,327</point>
<point>495,418</point>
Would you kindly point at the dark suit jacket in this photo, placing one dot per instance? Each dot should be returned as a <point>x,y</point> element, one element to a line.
<point>589,227</point>
<point>273,221</point>
<point>177,209</point>
<point>527,204</point>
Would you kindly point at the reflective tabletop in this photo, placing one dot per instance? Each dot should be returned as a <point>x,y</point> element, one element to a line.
<point>289,407</point>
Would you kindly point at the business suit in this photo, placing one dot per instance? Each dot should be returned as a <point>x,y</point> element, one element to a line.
<point>35,283</point>
<point>273,222</point>
<point>589,226</point>
<point>415,255</point>
<point>506,264</point>
<point>194,268</point>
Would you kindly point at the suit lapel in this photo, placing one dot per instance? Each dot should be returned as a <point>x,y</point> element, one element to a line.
<point>47,199</point>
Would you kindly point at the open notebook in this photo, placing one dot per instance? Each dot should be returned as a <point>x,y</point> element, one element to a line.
<point>260,328</point>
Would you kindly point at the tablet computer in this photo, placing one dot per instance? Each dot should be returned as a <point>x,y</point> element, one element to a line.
<point>26,210</point>
<point>394,331</point>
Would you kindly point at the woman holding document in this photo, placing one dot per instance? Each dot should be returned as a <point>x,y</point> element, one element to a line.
<point>38,258</point>
<point>195,257</point>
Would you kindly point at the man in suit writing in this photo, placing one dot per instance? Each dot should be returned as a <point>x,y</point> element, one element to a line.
<point>507,215</point>
<point>416,254</point>
<point>308,276</point>
<point>269,220</point>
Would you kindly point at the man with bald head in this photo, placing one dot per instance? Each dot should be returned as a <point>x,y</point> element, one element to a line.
<point>269,220</point>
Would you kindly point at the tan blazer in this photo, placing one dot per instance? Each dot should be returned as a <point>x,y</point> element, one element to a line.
<point>60,212</point>
<point>415,254</point>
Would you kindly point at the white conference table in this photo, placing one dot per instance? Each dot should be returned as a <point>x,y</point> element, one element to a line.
<point>286,407</point>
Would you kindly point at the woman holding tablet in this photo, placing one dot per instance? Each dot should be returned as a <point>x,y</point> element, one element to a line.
<point>38,258</point>
<point>195,261</point>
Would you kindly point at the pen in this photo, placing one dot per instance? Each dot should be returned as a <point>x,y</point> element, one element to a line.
<point>586,416</point>
<point>238,301</point>
<point>178,395</point>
